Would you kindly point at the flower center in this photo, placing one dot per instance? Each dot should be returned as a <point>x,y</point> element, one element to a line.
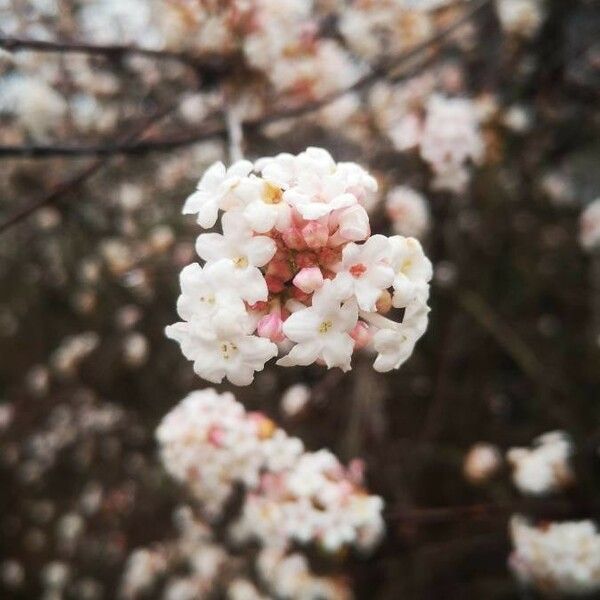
<point>208,299</point>
<point>241,262</point>
<point>228,349</point>
<point>325,326</point>
<point>358,270</point>
<point>272,194</point>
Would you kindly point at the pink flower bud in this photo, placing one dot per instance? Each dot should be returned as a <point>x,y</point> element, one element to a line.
<point>216,436</point>
<point>270,326</point>
<point>315,234</point>
<point>309,279</point>
<point>280,269</point>
<point>361,335</point>
<point>293,238</point>
<point>306,259</point>
<point>354,224</point>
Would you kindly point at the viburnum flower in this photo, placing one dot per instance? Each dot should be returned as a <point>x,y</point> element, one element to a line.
<point>217,186</point>
<point>209,442</point>
<point>296,269</point>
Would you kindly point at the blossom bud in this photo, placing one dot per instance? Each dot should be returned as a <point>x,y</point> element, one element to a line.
<point>354,224</point>
<point>315,234</point>
<point>270,326</point>
<point>384,302</point>
<point>361,335</point>
<point>280,269</point>
<point>274,284</point>
<point>309,279</point>
<point>305,259</point>
<point>293,238</point>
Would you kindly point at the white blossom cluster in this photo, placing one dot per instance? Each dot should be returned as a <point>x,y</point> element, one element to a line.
<point>556,558</point>
<point>544,468</point>
<point>194,566</point>
<point>209,442</point>
<point>295,269</point>
<point>589,226</point>
<point>444,130</point>
<point>289,576</point>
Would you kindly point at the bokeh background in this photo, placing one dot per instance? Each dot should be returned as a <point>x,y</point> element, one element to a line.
<point>100,147</point>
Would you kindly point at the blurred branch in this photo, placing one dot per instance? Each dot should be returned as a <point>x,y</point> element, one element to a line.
<point>69,184</point>
<point>113,51</point>
<point>446,514</point>
<point>384,69</point>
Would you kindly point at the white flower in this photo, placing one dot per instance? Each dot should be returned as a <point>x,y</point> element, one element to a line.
<point>544,468</point>
<point>217,186</point>
<point>395,345</point>
<point>268,210</point>
<point>412,269</point>
<point>207,293</point>
<point>219,351</point>
<point>245,251</point>
<point>322,331</point>
<point>365,271</point>
<point>558,559</point>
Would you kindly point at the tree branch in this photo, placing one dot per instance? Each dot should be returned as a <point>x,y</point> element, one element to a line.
<point>69,184</point>
<point>384,69</point>
<point>112,51</point>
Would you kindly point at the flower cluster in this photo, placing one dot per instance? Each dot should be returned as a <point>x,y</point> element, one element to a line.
<point>544,468</point>
<point>195,565</point>
<point>557,558</point>
<point>445,130</point>
<point>295,266</point>
<point>209,442</point>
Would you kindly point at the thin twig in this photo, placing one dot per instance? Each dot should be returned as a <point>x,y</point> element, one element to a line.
<point>446,514</point>
<point>69,184</point>
<point>16,44</point>
<point>384,69</point>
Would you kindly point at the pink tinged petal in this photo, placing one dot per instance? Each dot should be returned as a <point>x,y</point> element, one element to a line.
<point>261,217</point>
<point>376,248</point>
<point>207,215</point>
<point>241,375</point>
<point>235,227</point>
<point>212,177</point>
<point>303,325</point>
<point>196,201</point>
<point>210,367</point>
<point>256,351</point>
<point>241,168</point>
<point>308,279</point>
<point>337,352</point>
<point>354,224</point>
<point>366,295</point>
<point>344,283</point>
<point>343,201</point>
<point>212,246</point>
<point>347,316</point>
<point>302,354</point>
<point>260,250</point>
<point>253,287</point>
<point>315,234</point>
<point>381,276</point>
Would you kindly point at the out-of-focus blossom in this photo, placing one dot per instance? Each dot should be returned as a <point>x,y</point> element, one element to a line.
<point>212,445</point>
<point>521,17</point>
<point>556,559</point>
<point>589,226</point>
<point>545,467</point>
<point>482,462</point>
<point>408,211</point>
